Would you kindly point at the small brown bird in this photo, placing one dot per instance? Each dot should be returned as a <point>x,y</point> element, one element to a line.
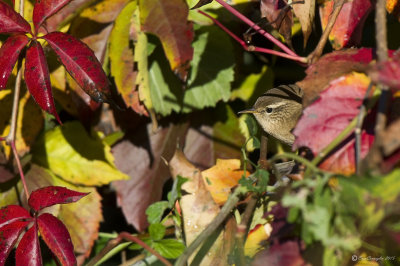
<point>278,110</point>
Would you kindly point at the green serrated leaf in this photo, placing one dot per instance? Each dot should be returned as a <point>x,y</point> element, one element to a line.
<point>169,248</point>
<point>69,152</point>
<point>155,211</point>
<point>157,231</point>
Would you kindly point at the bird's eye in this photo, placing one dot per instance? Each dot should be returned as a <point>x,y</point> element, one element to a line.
<point>269,110</point>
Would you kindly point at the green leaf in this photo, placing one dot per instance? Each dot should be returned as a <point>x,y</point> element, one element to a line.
<point>156,231</point>
<point>248,127</point>
<point>176,192</point>
<point>169,248</point>
<point>155,211</point>
<point>69,152</point>
<point>210,76</point>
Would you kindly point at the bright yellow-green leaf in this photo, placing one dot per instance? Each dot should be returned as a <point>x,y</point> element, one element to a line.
<point>72,154</point>
<point>121,54</point>
<point>254,85</point>
<point>141,53</point>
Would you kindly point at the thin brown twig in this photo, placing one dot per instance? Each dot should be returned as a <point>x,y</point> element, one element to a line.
<point>314,56</point>
<point>126,236</point>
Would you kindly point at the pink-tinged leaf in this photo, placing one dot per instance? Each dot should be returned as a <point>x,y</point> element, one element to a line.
<point>332,66</point>
<point>168,21</point>
<point>49,196</point>
<point>387,73</point>
<point>37,78</point>
<point>44,9</point>
<point>11,21</point>
<point>8,237</point>
<point>324,119</point>
<point>57,238</point>
<point>9,53</point>
<point>13,213</point>
<point>349,24</point>
<point>81,64</point>
<point>28,250</point>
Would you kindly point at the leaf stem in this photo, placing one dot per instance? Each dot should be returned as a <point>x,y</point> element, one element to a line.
<point>257,28</point>
<point>252,48</point>
<point>125,235</point>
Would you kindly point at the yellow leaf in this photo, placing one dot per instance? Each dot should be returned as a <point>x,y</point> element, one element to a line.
<point>220,178</point>
<point>255,238</point>
<point>69,152</point>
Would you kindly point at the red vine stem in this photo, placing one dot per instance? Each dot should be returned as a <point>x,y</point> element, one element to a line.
<point>253,48</point>
<point>257,28</point>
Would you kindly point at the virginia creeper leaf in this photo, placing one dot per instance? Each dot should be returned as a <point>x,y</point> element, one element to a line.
<point>37,78</point>
<point>57,238</point>
<point>28,250</point>
<point>44,9</point>
<point>323,120</point>
<point>168,21</point>
<point>11,21</point>
<point>48,196</point>
<point>8,237</point>
<point>81,64</point>
<point>12,213</point>
<point>349,24</point>
<point>9,53</point>
<point>387,73</point>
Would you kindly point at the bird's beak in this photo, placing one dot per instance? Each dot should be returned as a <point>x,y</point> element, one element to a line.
<point>248,111</point>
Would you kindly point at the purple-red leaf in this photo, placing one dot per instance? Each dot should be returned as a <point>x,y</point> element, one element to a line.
<point>57,238</point>
<point>8,237</point>
<point>37,78</point>
<point>387,73</point>
<point>49,196</point>
<point>11,21</point>
<point>12,213</point>
<point>81,64</point>
<point>44,9</point>
<point>28,250</point>
<point>9,53</point>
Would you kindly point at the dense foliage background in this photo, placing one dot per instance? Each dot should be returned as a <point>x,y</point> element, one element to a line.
<point>171,138</point>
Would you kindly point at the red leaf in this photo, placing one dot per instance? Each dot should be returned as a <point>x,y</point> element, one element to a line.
<point>81,64</point>
<point>12,213</point>
<point>323,120</point>
<point>49,196</point>
<point>11,21</point>
<point>168,20</point>
<point>387,73</point>
<point>9,53</point>
<point>57,238</point>
<point>37,78</point>
<point>349,24</point>
<point>8,237</point>
<point>44,9</point>
<point>28,250</point>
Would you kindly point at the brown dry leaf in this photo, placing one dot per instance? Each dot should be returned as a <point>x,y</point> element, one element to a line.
<point>305,13</point>
<point>198,207</point>
<point>222,177</point>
